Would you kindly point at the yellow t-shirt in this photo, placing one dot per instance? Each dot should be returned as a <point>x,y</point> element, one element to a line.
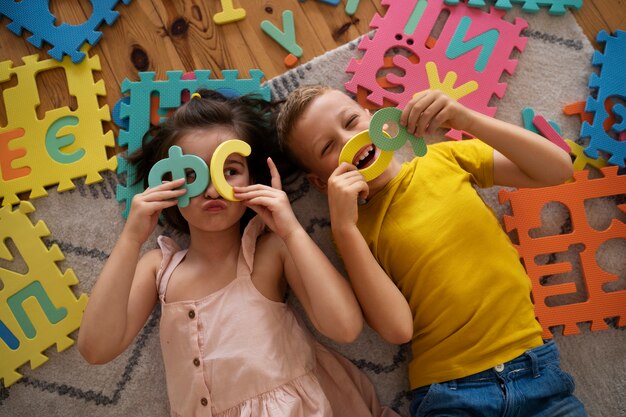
<point>446,251</point>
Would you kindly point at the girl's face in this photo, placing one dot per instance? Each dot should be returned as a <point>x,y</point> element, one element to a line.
<point>209,211</point>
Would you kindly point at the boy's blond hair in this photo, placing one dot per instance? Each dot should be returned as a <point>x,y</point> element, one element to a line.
<point>291,110</point>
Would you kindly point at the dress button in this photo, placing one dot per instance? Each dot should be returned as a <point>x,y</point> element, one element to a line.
<point>204,402</point>
<point>499,367</point>
<point>196,361</point>
<point>192,314</point>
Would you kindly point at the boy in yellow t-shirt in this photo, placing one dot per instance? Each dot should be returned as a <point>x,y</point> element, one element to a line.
<point>427,258</point>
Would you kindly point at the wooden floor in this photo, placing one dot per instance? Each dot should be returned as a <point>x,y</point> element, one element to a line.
<point>161,35</point>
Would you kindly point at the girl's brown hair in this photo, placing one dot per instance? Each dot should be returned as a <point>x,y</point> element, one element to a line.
<point>250,117</point>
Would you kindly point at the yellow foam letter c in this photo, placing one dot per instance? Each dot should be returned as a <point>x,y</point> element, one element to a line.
<point>355,144</point>
<point>217,165</point>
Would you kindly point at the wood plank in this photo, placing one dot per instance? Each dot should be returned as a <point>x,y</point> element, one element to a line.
<point>601,15</point>
<point>162,35</point>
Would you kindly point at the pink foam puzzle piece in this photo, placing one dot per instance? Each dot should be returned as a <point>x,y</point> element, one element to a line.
<point>474,44</point>
<point>546,130</point>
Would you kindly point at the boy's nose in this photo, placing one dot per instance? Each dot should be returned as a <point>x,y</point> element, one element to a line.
<point>345,138</point>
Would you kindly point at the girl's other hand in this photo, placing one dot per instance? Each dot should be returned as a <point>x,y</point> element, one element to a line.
<point>147,206</point>
<point>271,203</point>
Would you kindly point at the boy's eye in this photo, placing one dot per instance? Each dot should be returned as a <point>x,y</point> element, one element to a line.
<point>351,120</point>
<point>326,147</point>
<point>190,175</point>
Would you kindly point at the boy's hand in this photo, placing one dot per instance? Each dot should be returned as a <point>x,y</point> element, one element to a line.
<point>431,109</point>
<point>345,186</point>
<point>271,203</point>
<point>147,206</point>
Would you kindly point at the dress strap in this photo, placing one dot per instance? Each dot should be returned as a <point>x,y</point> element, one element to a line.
<point>172,255</point>
<point>254,229</point>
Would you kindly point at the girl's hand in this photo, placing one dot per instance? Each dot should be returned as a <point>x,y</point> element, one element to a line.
<point>345,186</point>
<point>147,206</point>
<point>431,109</point>
<point>271,203</point>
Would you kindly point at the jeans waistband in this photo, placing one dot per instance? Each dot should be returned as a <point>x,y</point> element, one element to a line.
<point>531,359</point>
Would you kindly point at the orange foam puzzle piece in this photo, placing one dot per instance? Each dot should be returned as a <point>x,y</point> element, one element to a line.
<point>526,206</point>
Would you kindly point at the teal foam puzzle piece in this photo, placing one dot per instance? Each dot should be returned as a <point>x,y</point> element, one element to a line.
<point>556,7</point>
<point>134,110</point>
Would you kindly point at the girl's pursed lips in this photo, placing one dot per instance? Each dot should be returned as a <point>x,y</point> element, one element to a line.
<point>214,205</point>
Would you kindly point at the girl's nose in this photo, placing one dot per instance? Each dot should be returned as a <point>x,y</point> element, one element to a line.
<point>210,191</point>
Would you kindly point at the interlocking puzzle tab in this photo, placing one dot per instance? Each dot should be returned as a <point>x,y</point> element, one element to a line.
<point>38,309</point>
<point>557,7</point>
<point>468,58</point>
<point>64,145</point>
<point>135,109</point>
<point>66,39</point>
<point>526,206</point>
<point>610,84</point>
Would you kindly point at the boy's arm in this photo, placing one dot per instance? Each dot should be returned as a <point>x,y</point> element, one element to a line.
<point>323,292</point>
<point>385,308</point>
<point>521,158</point>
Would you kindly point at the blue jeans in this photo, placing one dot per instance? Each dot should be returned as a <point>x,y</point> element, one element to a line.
<point>532,384</point>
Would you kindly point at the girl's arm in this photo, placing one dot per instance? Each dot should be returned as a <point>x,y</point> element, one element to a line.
<point>521,158</point>
<point>323,292</point>
<point>384,306</point>
<point>125,292</point>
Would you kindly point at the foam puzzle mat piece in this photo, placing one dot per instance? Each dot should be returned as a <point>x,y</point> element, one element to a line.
<point>610,84</point>
<point>135,110</point>
<point>38,309</point>
<point>62,146</point>
<point>557,7</point>
<point>66,39</point>
<point>480,44</point>
<point>526,206</point>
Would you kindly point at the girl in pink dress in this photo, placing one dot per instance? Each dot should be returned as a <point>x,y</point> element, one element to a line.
<point>231,346</point>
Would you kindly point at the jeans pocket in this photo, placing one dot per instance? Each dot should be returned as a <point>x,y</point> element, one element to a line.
<point>566,378</point>
<point>422,400</point>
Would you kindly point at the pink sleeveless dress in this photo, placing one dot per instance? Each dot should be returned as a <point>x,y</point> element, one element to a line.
<point>237,353</point>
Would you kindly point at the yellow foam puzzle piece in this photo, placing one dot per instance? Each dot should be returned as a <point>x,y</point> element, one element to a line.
<point>62,146</point>
<point>37,309</point>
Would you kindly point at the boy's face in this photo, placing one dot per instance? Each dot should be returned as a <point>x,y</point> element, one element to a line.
<point>318,137</point>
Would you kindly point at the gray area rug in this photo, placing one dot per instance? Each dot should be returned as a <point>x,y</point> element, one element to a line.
<point>84,222</point>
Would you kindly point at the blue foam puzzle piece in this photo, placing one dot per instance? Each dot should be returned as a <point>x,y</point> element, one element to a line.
<point>610,83</point>
<point>35,17</point>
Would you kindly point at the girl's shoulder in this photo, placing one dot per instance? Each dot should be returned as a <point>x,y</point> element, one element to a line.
<point>152,259</point>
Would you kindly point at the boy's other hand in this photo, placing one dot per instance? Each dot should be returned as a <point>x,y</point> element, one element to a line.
<point>345,186</point>
<point>429,110</point>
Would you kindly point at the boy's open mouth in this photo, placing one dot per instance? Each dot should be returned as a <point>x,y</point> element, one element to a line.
<point>365,157</point>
